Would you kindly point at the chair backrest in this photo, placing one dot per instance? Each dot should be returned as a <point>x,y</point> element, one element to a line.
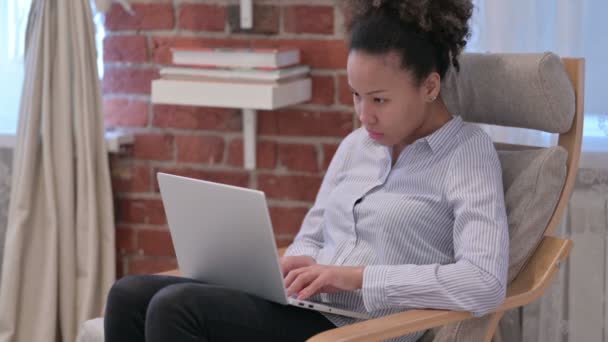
<point>571,140</point>
<point>535,91</point>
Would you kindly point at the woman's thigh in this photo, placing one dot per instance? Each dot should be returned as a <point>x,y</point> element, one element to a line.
<point>166,308</point>
<point>201,312</point>
<point>128,303</point>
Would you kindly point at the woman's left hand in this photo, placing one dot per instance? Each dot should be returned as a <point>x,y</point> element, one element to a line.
<point>310,280</point>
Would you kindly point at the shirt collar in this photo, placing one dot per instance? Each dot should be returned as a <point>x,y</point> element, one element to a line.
<point>444,134</point>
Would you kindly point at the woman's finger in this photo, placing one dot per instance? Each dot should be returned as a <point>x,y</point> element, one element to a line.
<point>292,275</point>
<point>301,281</point>
<point>313,288</point>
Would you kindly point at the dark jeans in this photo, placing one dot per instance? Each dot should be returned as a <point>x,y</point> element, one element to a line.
<point>171,309</point>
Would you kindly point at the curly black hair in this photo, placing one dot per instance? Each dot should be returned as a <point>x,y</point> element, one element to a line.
<point>429,34</point>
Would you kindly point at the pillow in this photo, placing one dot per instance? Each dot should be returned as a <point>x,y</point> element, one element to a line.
<point>533,182</point>
<point>518,90</point>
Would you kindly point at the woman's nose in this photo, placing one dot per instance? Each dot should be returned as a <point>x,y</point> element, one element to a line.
<point>365,114</point>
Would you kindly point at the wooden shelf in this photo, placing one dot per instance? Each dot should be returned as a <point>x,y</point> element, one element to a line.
<point>231,95</point>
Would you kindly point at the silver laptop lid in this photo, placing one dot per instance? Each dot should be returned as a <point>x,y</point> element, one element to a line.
<point>222,235</point>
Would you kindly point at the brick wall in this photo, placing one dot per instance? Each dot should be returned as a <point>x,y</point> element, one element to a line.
<point>294,144</point>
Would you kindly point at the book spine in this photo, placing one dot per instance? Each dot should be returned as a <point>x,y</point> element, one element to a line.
<point>243,54</point>
<point>232,80</point>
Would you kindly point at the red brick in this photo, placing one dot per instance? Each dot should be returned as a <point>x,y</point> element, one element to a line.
<point>150,265</point>
<point>128,80</point>
<point>125,240</point>
<point>199,149</point>
<point>155,242</point>
<point>194,117</point>
<point>302,123</point>
<point>128,178</point>
<point>201,17</point>
<point>322,90</point>
<point>319,54</point>
<point>125,113</point>
<point>150,211</point>
<point>161,46</point>
<point>266,19</point>
<point>287,221</point>
<point>299,188</point>
<point>147,17</point>
<point>152,146</point>
<point>120,269</point>
<point>237,178</point>
<point>266,154</point>
<point>308,19</point>
<point>299,157</point>
<point>328,154</point>
<point>345,95</point>
<point>133,49</point>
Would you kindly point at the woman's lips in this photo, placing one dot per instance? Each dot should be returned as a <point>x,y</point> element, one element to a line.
<point>375,135</point>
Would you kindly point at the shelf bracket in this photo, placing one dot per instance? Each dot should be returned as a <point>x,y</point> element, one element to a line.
<point>249,140</point>
<point>246,14</point>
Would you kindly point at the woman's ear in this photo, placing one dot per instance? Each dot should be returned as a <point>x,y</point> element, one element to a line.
<point>432,86</point>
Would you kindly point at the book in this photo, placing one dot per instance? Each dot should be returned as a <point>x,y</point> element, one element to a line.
<point>236,57</point>
<point>229,80</point>
<point>237,73</point>
<point>230,94</point>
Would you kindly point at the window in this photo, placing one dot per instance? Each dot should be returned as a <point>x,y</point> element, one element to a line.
<point>568,28</point>
<point>13,22</point>
<point>13,25</point>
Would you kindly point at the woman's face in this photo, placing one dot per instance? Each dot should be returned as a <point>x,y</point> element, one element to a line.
<point>390,104</point>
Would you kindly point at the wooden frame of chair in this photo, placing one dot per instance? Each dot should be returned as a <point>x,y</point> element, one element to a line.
<point>529,284</point>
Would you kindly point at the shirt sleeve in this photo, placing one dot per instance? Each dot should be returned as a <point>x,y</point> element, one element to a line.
<point>309,239</point>
<point>476,281</point>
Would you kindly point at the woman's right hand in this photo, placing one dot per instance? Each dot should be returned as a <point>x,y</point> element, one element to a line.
<point>289,263</point>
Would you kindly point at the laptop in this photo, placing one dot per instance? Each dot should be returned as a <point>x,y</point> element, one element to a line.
<point>222,235</point>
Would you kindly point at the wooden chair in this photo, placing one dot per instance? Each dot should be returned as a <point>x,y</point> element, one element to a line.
<point>529,284</point>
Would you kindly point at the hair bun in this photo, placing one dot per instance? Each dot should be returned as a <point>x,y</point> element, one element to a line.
<point>446,21</point>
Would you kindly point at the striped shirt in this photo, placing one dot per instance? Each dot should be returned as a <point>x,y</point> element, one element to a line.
<point>431,229</point>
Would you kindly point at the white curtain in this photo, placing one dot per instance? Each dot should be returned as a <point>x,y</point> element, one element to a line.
<point>104,5</point>
<point>572,28</point>
<point>59,250</point>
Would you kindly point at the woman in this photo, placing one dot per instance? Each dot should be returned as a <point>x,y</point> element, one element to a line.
<point>410,213</point>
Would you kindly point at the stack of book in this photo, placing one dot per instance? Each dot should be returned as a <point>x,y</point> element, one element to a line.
<point>234,77</point>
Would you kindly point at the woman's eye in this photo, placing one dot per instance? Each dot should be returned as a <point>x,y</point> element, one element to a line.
<point>379,100</point>
<point>355,94</point>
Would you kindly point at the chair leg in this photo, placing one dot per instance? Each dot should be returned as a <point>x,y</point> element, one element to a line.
<point>492,326</point>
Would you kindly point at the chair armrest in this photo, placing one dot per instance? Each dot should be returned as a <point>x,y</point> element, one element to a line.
<point>386,327</point>
<point>537,273</point>
<point>527,287</point>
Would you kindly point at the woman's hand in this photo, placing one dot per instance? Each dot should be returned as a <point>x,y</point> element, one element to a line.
<point>289,263</point>
<point>310,280</point>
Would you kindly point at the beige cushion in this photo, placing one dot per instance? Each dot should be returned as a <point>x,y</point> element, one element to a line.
<point>91,331</point>
<point>517,90</point>
<point>533,181</point>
